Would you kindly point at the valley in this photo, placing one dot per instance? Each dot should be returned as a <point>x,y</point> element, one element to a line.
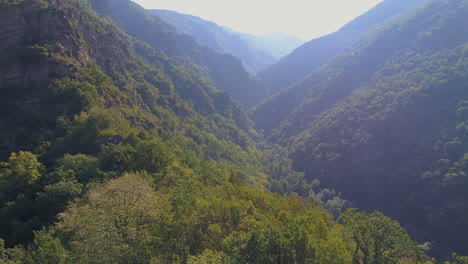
<point>130,135</point>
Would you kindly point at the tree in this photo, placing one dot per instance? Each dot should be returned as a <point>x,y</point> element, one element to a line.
<point>18,174</point>
<point>459,259</point>
<point>379,240</point>
<point>19,183</point>
<point>10,255</point>
<point>78,167</point>
<point>118,222</point>
<point>152,156</point>
<point>46,250</point>
<point>207,257</point>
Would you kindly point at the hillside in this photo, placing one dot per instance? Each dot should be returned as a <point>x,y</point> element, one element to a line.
<point>122,148</point>
<point>113,152</point>
<point>310,56</point>
<point>225,70</point>
<point>383,119</point>
<point>219,39</point>
<point>82,102</point>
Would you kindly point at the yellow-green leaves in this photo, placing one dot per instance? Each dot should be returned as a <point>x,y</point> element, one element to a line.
<point>23,167</point>
<point>116,223</point>
<point>21,170</point>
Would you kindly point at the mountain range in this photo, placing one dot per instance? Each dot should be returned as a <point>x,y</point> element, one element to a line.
<point>256,52</point>
<point>143,136</point>
<point>225,70</point>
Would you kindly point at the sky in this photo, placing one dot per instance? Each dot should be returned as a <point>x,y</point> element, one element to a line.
<point>306,19</point>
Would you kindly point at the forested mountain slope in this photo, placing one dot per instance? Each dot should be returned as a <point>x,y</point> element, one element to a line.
<point>113,152</point>
<point>313,54</point>
<point>219,39</point>
<point>385,122</point>
<point>89,103</point>
<point>225,70</point>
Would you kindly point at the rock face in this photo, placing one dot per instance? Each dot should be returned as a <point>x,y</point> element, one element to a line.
<point>48,42</point>
<point>28,42</point>
<point>42,43</point>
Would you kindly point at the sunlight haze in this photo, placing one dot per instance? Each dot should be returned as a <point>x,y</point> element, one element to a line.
<point>306,19</point>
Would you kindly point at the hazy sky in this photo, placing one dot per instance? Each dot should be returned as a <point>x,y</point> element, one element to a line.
<point>306,19</point>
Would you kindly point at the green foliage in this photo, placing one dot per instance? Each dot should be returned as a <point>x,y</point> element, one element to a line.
<point>128,220</point>
<point>83,95</point>
<point>47,250</point>
<point>55,196</point>
<point>459,259</point>
<point>145,160</point>
<point>32,54</point>
<point>152,156</point>
<point>19,173</point>
<point>10,255</point>
<point>378,239</point>
<point>91,129</point>
<point>115,223</point>
<point>207,257</point>
<point>78,167</point>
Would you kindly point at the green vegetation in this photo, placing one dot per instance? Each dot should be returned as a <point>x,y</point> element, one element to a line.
<point>459,259</point>
<point>380,240</point>
<point>384,124</point>
<point>130,220</point>
<point>114,152</point>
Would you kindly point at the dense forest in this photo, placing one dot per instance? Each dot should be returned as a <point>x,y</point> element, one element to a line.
<point>124,140</point>
<point>388,116</point>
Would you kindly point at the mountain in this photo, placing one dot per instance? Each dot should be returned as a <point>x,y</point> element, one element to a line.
<point>313,54</point>
<point>78,92</point>
<point>219,39</point>
<point>382,118</point>
<point>119,148</point>
<point>225,70</point>
<point>279,44</point>
<point>114,152</point>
